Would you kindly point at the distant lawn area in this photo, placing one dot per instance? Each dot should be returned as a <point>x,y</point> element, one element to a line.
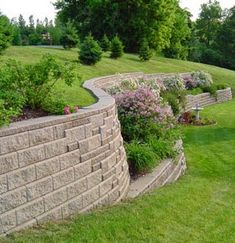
<point>200,207</point>
<point>128,63</point>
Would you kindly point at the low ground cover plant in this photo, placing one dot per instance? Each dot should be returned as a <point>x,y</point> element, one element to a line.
<point>32,86</point>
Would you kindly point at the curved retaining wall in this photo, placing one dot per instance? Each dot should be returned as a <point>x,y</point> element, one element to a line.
<point>52,167</point>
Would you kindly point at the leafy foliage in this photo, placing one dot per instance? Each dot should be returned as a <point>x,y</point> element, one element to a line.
<point>32,86</point>
<point>90,51</point>
<point>6,33</point>
<point>69,36</point>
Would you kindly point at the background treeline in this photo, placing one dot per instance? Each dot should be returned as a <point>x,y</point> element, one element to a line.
<point>143,27</point>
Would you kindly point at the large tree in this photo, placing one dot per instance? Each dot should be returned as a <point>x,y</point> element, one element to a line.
<point>132,20</point>
<point>209,22</point>
<point>6,33</point>
<point>226,39</point>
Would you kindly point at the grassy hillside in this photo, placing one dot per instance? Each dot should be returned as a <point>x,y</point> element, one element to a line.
<point>128,63</point>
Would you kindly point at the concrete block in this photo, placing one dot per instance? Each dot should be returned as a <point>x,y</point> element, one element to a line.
<point>31,155</point>
<point>29,211</point>
<point>77,188</point>
<point>63,178</point>
<point>39,188</point>
<point>73,206</point>
<point>82,170</point>
<point>47,167</point>
<point>70,159</point>
<point>3,184</point>
<point>14,143</point>
<point>21,177</point>
<point>41,136</point>
<point>55,198</point>
<point>12,199</point>
<point>8,163</point>
<point>55,148</point>
<point>7,222</point>
<point>90,196</point>
<point>94,179</point>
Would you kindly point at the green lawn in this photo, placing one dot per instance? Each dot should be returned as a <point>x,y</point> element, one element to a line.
<point>200,207</point>
<point>128,63</point>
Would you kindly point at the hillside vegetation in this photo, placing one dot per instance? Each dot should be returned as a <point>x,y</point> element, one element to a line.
<point>127,63</point>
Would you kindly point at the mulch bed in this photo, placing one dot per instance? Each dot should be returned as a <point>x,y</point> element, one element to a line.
<point>29,113</point>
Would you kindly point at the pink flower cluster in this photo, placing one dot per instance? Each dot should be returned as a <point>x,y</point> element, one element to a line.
<point>67,109</point>
<point>142,102</point>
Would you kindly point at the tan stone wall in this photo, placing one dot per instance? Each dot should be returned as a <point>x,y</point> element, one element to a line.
<point>53,167</point>
<point>206,99</point>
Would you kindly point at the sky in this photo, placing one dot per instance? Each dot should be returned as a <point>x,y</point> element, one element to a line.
<point>42,8</point>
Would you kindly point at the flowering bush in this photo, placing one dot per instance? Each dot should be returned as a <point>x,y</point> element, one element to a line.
<point>200,79</point>
<point>143,103</point>
<point>132,84</point>
<point>174,83</point>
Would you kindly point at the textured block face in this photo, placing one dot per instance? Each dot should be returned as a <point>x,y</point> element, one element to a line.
<point>41,136</point>
<point>47,167</point>
<point>3,184</point>
<point>12,199</point>
<point>82,170</point>
<point>21,177</point>
<point>8,163</point>
<point>75,134</point>
<point>14,143</point>
<point>70,159</point>
<point>63,178</point>
<point>89,144</point>
<point>31,155</point>
<point>55,148</point>
<point>7,222</point>
<point>29,212</point>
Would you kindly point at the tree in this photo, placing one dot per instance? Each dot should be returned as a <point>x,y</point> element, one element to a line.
<point>145,53</point>
<point>209,22</point>
<point>69,38</point>
<point>105,43</point>
<point>132,20</point>
<point>226,39</point>
<point>6,33</point>
<point>116,48</point>
<point>180,35</point>
<point>23,30</point>
<point>90,51</point>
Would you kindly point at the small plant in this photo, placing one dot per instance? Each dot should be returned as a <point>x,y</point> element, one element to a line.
<point>105,43</point>
<point>145,52</point>
<point>141,158</point>
<point>116,48</point>
<point>90,52</point>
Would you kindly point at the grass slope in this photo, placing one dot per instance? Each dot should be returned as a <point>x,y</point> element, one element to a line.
<point>128,63</point>
<point>200,207</point>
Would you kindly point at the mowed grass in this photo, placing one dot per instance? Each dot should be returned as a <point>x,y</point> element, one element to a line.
<point>128,63</point>
<point>199,207</point>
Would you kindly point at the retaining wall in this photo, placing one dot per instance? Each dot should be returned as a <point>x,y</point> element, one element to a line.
<point>54,166</point>
<point>206,99</point>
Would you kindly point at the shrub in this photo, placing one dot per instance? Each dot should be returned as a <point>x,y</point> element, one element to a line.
<point>141,158</point>
<point>6,33</point>
<point>90,52</point>
<point>145,52</point>
<point>173,101</point>
<point>174,83</point>
<point>221,86</point>
<point>143,103</point>
<point>105,43</point>
<point>210,89</point>
<point>116,48</point>
<point>43,76</point>
<point>162,147</point>
<point>32,85</point>
<point>54,105</point>
<point>202,79</point>
<point>6,114</point>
